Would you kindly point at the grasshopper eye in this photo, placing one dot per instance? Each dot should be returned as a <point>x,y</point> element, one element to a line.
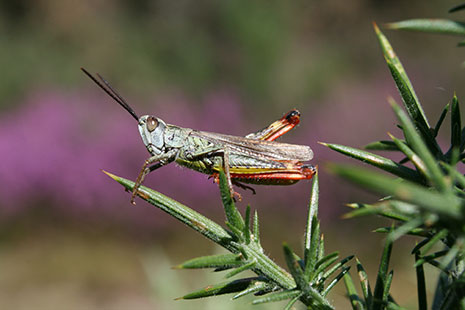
<point>152,123</point>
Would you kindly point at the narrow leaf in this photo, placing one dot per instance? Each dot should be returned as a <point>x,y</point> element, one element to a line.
<point>291,302</point>
<point>256,228</point>
<point>221,288</point>
<point>457,8</point>
<point>340,264</point>
<point>377,161</point>
<point>409,97</point>
<point>430,258</point>
<point>381,208</point>
<point>232,214</point>
<point>444,205</point>
<point>294,267</point>
<point>433,171</point>
<point>456,124</point>
<point>247,225</point>
<point>383,277</point>
<point>355,301</point>
<point>283,295</point>
<point>213,261</point>
<point>421,286</point>
<point>414,232</point>
<point>309,249</point>
<point>255,287</point>
<point>240,269</point>
<point>387,286</point>
<point>411,155</point>
<point>366,290</point>
<point>335,280</point>
<point>382,145</point>
<point>404,229</point>
<point>326,261</point>
<point>430,242</point>
<point>440,120</point>
<point>444,26</point>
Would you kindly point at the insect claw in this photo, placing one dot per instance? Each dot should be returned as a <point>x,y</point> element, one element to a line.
<point>234,195</point>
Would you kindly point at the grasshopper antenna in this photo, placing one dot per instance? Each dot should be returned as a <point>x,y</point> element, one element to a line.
<point>111,92</point>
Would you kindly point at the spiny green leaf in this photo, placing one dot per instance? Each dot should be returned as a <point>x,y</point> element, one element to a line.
<point>355,301</point>
<point>191,218</point>
<point>314,251</point>
<point>444,26</point>
<point>310,254</point>
<point>292,302</point>
<point>421,286</point>
<point>333,269</point>
<point>213,261</point>
<point>448,206</point>
<point>255,287</point>
<point>321,248</point>
<point>283,295</point>
<point>431,257</point>
<point>383,277</point>
<point>240,269</point>
<point>387,286</point>
<point>326,261</point>
<point>409,97</point>
<point>440,120</point>
<point>404,229</point>
<point>335,280</point>
<point>294,267</point>
<point>457,8</point>
<point>413,232</point>
<point>456,124</point>
<point>377,161</point>
<point>232,214</point>
<point>430,242</point>
<point>256,228</point>
<point>411,155</point>
<point>366,290</point>
<point>381,208</point>
<point>235,232</point>
<point>433,171</point>
<point>222,288</point>
<point>246,231</point>
<point>382,145</point>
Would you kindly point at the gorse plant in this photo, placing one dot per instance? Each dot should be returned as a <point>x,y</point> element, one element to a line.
<point>425,199</point>
<point>434,25</point>
<point>310,279</point>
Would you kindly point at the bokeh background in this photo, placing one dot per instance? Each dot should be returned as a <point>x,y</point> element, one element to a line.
<point>70,239</point>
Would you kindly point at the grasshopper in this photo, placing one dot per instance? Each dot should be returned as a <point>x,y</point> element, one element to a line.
<point>253,159</point>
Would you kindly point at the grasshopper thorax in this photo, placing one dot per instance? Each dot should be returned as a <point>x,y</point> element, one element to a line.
<point>152,132</point>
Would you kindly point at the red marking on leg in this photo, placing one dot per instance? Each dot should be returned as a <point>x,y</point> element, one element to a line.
<point>286,123</point>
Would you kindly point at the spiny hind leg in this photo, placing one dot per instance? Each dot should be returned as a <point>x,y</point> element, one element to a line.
<point>277,128</point>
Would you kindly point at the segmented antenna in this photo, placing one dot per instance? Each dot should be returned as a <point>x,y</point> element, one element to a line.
<point>103,84</point>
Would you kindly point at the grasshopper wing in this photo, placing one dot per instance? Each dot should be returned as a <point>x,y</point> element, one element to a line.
<point>259,148</point>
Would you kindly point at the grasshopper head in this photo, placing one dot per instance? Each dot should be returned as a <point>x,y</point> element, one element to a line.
<point>152,131</point>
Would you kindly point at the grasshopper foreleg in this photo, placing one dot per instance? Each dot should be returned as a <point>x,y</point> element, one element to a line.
<point>160,161</point>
